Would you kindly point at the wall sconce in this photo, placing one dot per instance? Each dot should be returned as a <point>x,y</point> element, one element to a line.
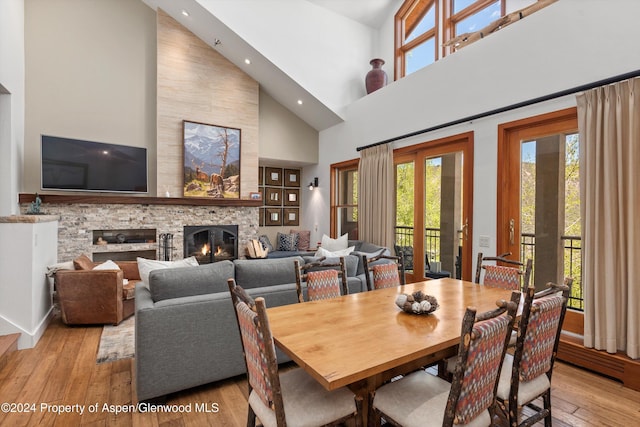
<point>313,184</point>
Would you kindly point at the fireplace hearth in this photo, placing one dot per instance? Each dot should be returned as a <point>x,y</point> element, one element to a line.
<point>211,243</point>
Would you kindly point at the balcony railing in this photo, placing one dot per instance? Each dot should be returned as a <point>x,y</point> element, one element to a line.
<point>572,255</point>
<point>404,237</point>
<point>572,262</point>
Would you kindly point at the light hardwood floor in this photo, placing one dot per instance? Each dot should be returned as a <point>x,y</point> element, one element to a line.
<point>61,370</point>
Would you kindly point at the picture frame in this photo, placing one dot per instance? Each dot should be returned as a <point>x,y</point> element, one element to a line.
<point>273,176</point>
<point>290,216</point>
<point>261,215</point>
<point>273,196</point>
<point>273,216</point>
<point>255,195</point>
<point>292,177</point>
<point>291,197</point>
<point>211,160</point>
<point>260,175</point>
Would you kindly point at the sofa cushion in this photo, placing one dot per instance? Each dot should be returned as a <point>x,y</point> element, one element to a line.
<point>146,266</point>
<point>168,283</point>
<point>257,273</point>
<point>350,261</point>
<point>287,242</point>
<point>289,254</point>
<point>369,255</point>
<point>83,262</point>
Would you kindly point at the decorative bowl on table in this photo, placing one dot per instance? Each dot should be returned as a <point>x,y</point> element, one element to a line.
<point>417,303</point>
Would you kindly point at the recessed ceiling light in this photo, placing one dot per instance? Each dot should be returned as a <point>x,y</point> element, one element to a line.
<point>299,101</point>
<point>185,13</point>
<point>247,61</point>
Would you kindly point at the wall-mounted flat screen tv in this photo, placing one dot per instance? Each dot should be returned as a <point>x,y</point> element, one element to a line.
<point>73,164</point>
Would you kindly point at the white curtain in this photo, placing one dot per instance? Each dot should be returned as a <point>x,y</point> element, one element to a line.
<point>376,203</point>
<point>609,122</point>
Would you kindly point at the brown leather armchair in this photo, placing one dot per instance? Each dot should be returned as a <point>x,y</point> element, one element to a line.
<point>97,296</point>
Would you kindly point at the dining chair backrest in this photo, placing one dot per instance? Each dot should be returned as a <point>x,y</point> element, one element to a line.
<point>540,328</point>
<point>324,280</point>
<point>481,351</point>
<point>258,349</point>
<point>379,275</point>
<point>508,274</point>
<point>539,331</point>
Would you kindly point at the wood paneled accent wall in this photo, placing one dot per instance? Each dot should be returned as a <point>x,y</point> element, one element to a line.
<point>198,84</point>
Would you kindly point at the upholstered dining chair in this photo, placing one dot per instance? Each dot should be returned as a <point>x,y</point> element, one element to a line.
<point>421,399</point>
<point>380,274</point>
<point>509,274</point>
<point>323,280</point>
<point>526,375</point>
<point>290,398</point>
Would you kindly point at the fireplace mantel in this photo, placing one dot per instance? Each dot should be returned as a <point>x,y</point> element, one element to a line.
<point>135,200</point>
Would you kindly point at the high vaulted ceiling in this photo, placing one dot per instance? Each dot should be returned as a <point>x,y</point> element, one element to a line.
<point>279,56</point>
<point>371,13</point>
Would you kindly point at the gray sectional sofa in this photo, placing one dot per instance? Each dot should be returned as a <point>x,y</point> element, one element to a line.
<point>186,330</point>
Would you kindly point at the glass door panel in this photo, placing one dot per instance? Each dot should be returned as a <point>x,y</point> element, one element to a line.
<point>347,203</point>
<point>405,210</point>
<point>538,197</point>
<point>443,225</point>
<point>550,207</point>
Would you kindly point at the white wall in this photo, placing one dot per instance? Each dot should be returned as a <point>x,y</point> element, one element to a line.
<point>565,45</point>
<point>91,74</point>
<point>283,136</point>
<point>11,102</point>
<point>324,52</point>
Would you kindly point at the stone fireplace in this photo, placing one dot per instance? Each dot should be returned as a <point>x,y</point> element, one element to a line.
<point>142,221</point>
<point>211,243</point>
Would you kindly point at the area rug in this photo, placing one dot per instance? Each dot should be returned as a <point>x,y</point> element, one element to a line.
<point>117,342</point>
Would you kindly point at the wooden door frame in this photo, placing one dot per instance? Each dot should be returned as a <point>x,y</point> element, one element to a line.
<point>509,174</point>
<point>509,181</point>
<point>463,142</point>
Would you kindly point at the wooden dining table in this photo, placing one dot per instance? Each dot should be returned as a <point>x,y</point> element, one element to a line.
<point>363,340</point>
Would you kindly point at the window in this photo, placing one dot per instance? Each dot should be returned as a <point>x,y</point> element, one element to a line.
<point>424,26</point>
<point>344,199</point>
<point>416,35</point>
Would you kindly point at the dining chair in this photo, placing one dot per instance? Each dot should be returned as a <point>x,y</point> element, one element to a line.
<point>509,274</point>
<point>289,398</point>
<point>324,280</point>
<point>421,399</point>
<point>526,374</point>
<point>380,274</point>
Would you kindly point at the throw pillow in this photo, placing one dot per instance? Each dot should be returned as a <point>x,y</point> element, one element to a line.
<point>287,242</point>
<point>338,244</point>
<point>83,262</point>
<point>107,265</point>
<point>53,269</point>
<point>146,266</point>
<point>266,243</point>
<point>304,239</point>
<point>329,254</point>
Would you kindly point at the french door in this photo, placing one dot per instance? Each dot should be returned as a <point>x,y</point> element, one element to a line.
<point>433,207</point>
<point>538,197</point>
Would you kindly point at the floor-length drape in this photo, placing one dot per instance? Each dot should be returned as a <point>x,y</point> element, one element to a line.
<point>609,122</point>
<point>376,204</point>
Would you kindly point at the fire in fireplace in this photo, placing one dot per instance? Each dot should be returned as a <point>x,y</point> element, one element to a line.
<point>211,243</point>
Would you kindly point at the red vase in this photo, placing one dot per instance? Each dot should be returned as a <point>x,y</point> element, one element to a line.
<point>376,77</point>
